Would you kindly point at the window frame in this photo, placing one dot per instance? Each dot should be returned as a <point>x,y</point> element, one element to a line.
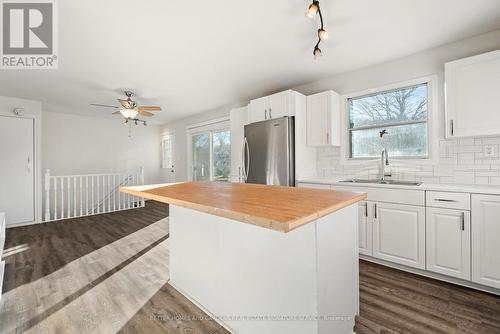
<point>432,121</point>
<point>211,126</point>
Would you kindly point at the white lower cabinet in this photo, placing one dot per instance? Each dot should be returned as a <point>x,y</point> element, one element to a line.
<point>365,229</point>
<point>486,240</point>
<point>399,234</point>
<point>448,242</point>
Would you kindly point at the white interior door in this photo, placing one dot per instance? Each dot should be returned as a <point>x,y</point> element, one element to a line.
<point>16,169</point>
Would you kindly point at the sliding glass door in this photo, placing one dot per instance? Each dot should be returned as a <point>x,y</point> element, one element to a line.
<point>211,155</point>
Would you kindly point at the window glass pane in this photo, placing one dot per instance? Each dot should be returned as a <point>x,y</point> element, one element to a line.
<point>167,153</point>
<point>221,155</point>
<point>400,141</point>
<point>406,104</point>
<point>201,157</point>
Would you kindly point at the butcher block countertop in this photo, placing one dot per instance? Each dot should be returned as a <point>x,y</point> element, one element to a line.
<point>277,208</point>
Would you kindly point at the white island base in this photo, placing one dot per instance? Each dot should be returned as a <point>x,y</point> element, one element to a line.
<point>254,280</point>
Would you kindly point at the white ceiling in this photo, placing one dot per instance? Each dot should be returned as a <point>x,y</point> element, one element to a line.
<point>192,56</point>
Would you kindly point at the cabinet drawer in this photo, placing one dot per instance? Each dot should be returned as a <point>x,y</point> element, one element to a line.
<point>441,199</point>
<point>387,195</point>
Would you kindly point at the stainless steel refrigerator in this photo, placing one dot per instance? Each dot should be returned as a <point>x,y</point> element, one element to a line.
<point>269,152</point>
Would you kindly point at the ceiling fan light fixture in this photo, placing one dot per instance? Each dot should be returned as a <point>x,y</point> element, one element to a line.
<point>128,113</point>
<point>312,10</point>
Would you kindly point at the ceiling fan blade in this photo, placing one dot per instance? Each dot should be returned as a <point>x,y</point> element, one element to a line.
<point>144,113</point>
<point>150,108</point>
<point>103,105</point>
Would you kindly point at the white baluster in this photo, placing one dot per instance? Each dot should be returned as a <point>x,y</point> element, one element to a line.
<point>81,196</point>
<point>97,192</point>
<point>62,197</point>
<point>47,195</point>
<point>114,192</point>
<point>109,193</point>
<point>86,195</point>
<point>55,198</point>
<point>103,194</point>
<point>69,195</point>
<point>141,182</point>
<point>74,196</point>
<point>93,202</point>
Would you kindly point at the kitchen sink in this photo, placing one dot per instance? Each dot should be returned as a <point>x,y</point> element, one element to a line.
<point>379,181</point>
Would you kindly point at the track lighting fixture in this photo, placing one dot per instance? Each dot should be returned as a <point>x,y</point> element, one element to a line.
<point>311,12</point>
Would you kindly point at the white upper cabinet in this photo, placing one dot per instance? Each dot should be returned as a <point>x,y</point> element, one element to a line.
<point>323,119</point>
<point>473,96</point>
<point>238,119</point>
<point>448,242</point>
<point>272,106</point>
<point>486,240</point>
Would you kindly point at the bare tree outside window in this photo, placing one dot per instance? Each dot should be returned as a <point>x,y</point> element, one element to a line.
<point>402,112</point>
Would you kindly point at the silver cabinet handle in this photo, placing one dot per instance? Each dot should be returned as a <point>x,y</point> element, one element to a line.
<point>375,211</point>
<point>445,200</point>
<point>270,116</point>
<point>366,210</point>
<point>462,221</point>
<point>29,163</point>
<point>265,113</point>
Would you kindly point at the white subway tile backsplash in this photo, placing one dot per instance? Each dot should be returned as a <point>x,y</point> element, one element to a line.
<point>460,161</point>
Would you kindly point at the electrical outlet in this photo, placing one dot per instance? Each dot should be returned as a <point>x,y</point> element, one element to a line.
<point>489,151</point>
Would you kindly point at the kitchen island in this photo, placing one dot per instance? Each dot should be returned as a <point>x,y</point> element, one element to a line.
<point>264,259</point>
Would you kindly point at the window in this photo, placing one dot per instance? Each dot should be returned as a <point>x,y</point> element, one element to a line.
<point>402,112</point>
<point>210,152</point>
<point>167,147</point>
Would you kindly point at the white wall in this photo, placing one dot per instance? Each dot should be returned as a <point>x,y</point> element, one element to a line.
<point>179,130</point>
<point>73,144</point>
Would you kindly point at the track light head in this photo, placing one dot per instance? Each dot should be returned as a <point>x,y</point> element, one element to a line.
<point>317,52</point>
<point>322,34</point>
<point>312,10</point>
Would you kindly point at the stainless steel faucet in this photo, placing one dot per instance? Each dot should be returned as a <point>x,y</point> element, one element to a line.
<point>384,161</point>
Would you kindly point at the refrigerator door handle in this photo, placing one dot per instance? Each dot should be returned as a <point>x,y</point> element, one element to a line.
<point>246,162</point>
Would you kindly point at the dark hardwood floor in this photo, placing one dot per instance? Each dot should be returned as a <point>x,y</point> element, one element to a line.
<point>109,274</point>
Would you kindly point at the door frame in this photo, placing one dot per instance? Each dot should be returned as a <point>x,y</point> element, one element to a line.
<point>34,115</point>
<point>207,126</point>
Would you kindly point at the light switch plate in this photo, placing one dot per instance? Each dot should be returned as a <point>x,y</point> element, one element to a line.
<point>489,150</point>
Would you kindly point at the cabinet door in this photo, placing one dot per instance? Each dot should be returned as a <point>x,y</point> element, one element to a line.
<point>472,98</point>
<point>486,240</point>
<point>278,105</point>
<point>364,229</point>
<point>448,242</point>
<point>259,109</point>
<point>399,234</point>
<point>238,119</point>
<point>323,119</point>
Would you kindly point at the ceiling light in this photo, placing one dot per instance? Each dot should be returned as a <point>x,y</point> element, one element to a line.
<point>128,113</point>
<point>322,34</point>
<point>312,10</point>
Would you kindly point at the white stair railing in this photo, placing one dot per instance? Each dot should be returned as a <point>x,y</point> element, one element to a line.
<point>72,196</point>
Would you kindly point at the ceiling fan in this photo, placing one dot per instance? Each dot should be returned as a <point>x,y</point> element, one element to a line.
<point>129,108</point>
